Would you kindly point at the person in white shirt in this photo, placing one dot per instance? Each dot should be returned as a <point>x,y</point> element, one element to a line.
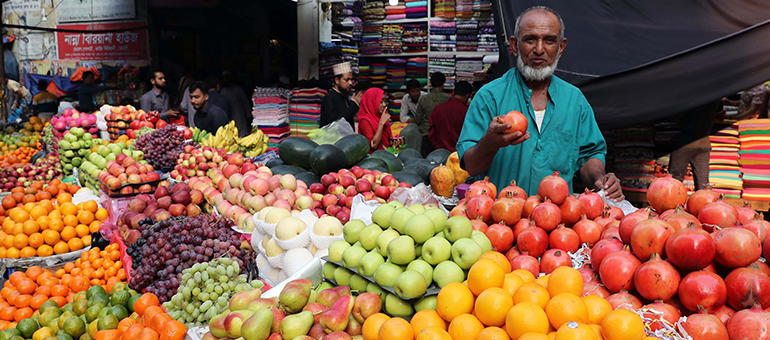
<point>410,100</point>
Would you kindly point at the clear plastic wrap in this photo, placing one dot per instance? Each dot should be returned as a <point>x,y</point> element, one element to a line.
<point>332,132</point>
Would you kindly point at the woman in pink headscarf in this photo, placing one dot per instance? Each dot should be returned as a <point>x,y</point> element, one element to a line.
<point>374,120</point>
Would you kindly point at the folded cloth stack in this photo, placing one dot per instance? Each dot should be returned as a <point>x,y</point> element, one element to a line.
<point>482,9</point>
<point>394,102</point>
<point>305,110</point>
<point>444,9</point>
<point>415,37</point>
<point>487,37</point>
<point>395,12</point>
<point>755,158</point>
<point>416,8</point>
<point>331,54</point>
<point>271,114</point>
<point>363,72</point>
<point>467,66</point>
<point>467,35</point>
<point>417,68</point>
<point>446,65</point>
<point>443,36</point>
<point>464,9</point>
<point>391,38</point>
<point>373,10</point>
<point>378,73</point>
<point>396,73</point>
<point>371,39</point>
<point>724,172</point>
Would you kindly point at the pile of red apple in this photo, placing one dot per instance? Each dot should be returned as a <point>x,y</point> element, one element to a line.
<point>22,176</point>
<point>125,175</point>
<point>197,161</point>
<point>179,200</point>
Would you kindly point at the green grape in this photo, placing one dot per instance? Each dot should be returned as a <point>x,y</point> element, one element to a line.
<point>189,308</point>
<point>186,292</point>
<point>191,284</point>
<point>196,291</point>
<point>257,284</point>
<point>211,313</point>
<point>201,318</point>
<point>205,276</point>
<point>210,281</point>
<point>196,267</point>
<point>236,267</point>
<point>242,279</point>
<point>195,313</point>
<point>213,296</point>
<point>197,303</point>
<point>230,271</point>
<point>221,270</point>
<point>203,296</point>
<point>206,305</point>
<point>218,289</point>
<point>198,278</point>
<point>231,285</point>
<point>226,261</point>
<point>204,266</point>
<point>223,279</point>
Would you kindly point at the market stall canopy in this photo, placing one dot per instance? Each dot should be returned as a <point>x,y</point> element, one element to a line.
<point>640,61</point>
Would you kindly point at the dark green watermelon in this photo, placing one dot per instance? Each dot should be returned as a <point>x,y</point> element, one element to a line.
<point>296,151</point>
<point>327,158</point>
<point>439,156</point>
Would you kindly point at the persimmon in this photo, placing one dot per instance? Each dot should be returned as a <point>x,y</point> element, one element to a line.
<point>145,302</point>
<point>173,330</point>
<point>132,332</point>
<point>148,334</point>
<point>108,334</point>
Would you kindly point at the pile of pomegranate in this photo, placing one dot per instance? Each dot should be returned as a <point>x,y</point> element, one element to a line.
<point>696,257</point>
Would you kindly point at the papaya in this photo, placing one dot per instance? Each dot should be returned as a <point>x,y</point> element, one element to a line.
<point>453,162</point>
<point>442,181</point>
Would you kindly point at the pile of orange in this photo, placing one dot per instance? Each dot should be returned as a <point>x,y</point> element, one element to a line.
<point>95,266</point>
<point>497,303</point>
<point>48,227</point>
<point>18,156</point>
<point>152,324</point>
<point>34,193</point>
<point>25,292</point>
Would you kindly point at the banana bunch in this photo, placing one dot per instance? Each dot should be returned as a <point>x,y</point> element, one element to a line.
<point>253,145</point>
<point>225,138</point>
<point>199,135</point>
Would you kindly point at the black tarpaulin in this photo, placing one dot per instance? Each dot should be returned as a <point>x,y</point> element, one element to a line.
<point>637,61</point>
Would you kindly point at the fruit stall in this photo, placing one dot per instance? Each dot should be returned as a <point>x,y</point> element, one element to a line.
<point>118,226</point>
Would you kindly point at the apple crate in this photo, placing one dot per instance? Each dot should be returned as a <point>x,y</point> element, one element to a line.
<point>136,188</point>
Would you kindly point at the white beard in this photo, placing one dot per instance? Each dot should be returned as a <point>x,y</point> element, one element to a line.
<point>532,74</point>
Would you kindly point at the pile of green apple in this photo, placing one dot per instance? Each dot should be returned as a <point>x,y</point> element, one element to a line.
<point>96,162</point>
<point>74,147</point>
<point>406,250</point>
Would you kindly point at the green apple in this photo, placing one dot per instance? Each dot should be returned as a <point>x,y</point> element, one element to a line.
<point>465,252</point>
<point>71,137</point>
<point>368,236</point>
<point>417,208</point>
<point>381,215</point>
<point>103,150</point>
<point>401,250</point>
<point>418,250</point>
<point>385,237</point>
<point>114,148</point>
<point>351,256</point>
<point>428,302</point>
<point>423,268</point>
<point>342,276</point>
<point>420,228</point>
<point>368,263</point>
<point>386,274</point>
<point>482,240</point>
<point>374,288</point>
<point>436,250</point>
<point>324,285</point>
<point>399,219</point>
<point>457,227</point>
<point>438,217</point>
<point>410,284</point>
<point>351,230</point>
<point>441,235</point>
<point>359,283</point>
<point>397,307</point>
<point>447,272</point>
<point>336,249</point>
<point>396,204</point>
<point>110,157</point>
<point>328,270</point>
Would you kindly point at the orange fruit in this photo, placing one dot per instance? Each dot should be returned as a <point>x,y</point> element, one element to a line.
<point>17,229</point>
<point>453,300</point>
<point>3,252</point>
<point>68,208</point>
<point>64,198</point>
<point>82,230</point>
<point>543,281</point>
<point>531,292</point>
<point>493,333</point>
<point>465,326</point>
<point>56,225</point>
<point>525,275</point>
<point>396,329</point>
<point>68,233</point>
<point>101,214</point>
<point>90,206</point>
<point>499,258</point>
<point>597,308</point>
<point>51,237</point>
<point>70,221</point>
<point>12,253</point>
<point>22,300</point>
<point>20,241</point>
<point>37,212</point>
<point>94,226</point>
<point>526,317</point>
<point>565,280</point>
<point>44,222</point>
<point>8,241</point>
<point>537,336</point>
<point>85,217</point>
<point>426,318</point>
<point>492,306</point>
<point>27,252</point>
<point>371,327</point>
<point>622,324</point>
<point>75,244</point>
<point>575,330</point>
<point>37,301</point>
<point>22,313</point>
<point>598,331</point>
<point>433,333</point>
<point>566,307</point>
<point>44,250</point>
<point>19,215</point>
<point>484,274</point>
<point>61,247</point>
<point>511,283</point>
<point>36,240</point>
<point>86,240</point>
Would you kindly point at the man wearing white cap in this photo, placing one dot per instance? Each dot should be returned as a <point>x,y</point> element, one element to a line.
<point>337,103</point>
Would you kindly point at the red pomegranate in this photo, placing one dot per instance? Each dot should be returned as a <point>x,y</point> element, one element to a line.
<point>588,231</point>
<point>658,311</point>
<point>690,249</point>
<point>650,237</point>
<point>704,326</point>
<point>480,206</point>
<point>588,273</point>
<point>747,286</point>
<point>624,300</point>
<point>517,120</point>
<point>656,279</point>
<point>700,198</point>
<point>553,187</point>
<point>736,247</point>
<point>611,233</point>
<point>719,214</point>
<point>529,205</point>
<point>679,306</point>
<point>766,248</point>
<point>571,210</point>
<point>758,226</point>
<point>533,241</point>
<point>628,223</point>
<point>512,253</point>
<point>478,188</point>
<point>506,210</point>
<point>546,215</point>
<point>492,188</point>
<point>751,324</point>
<point>521,225</point>
<point>459,209</point>
<point>501,237</point>
<point>761,266</point>
<point>513,190</point>
<point>614,224</point>
<point>617,270</point>
<point>478,224</point>
<point>603,219</point>
<point>711,268</point>
<point>564,238</point>
<point>593,203</point>
<point>526,262</point>
<point>666,193</point>
<point>603,248</point>
<point>679,219</point>
<point>596,288</point>
<point>745,213</point>
<point>724,313</point>
<point>615,213</point>
<point>704,289</point>
<point>554,258</point>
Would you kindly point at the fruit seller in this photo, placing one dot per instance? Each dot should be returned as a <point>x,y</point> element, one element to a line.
<point>157,98</point>
<point>207,116</point>
<point>565,135</point>
<point>44,103</point>
<point>87,90</point>
<point>337,103</point>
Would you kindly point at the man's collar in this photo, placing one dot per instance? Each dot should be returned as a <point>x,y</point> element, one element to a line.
<point>525,89</point>
<point>157,93</point>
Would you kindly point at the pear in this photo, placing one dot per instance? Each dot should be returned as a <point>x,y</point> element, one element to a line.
<point>296,325</point>
<point>257,327</point>
<point>366,305</point>
<point>295,296</point>
<point>336,318</point>
<point>328,296</point>
<point>217,325</point>
<point>234,321</point>
<point>261,303</point>
<point>241,300</point>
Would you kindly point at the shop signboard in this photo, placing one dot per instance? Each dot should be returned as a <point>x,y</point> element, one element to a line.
<point>18,6</point>
<point>98,46</point>
<point>95,10</point>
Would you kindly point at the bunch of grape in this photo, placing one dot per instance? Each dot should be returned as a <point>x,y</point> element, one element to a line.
<point>162,147</point>
<point>48,134</point>
<point>174,245</point>
<point>143,131</point>
<point>207,290</point>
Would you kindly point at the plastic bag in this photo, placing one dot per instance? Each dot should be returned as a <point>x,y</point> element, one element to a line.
<point>420,194</point>
<point>624,205</point>
<point>331,133</point>
<point>362,209</point>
